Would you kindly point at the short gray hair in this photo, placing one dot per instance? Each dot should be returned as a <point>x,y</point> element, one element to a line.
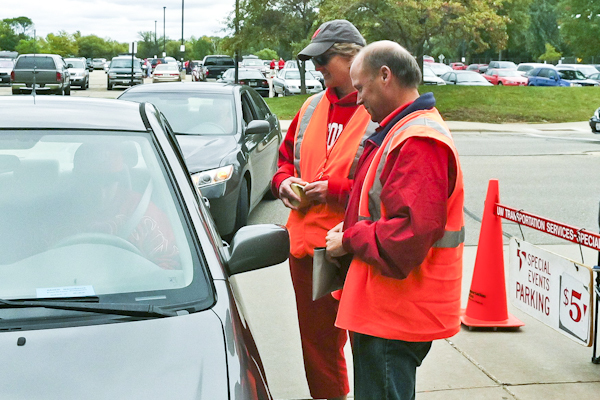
<point>400,62</point>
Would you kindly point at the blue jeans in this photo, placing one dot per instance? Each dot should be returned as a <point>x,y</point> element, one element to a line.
<point>386,369</point>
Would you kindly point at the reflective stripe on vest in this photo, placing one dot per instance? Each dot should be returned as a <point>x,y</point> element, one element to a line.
<point>451,238</point>
<point>308,112</point>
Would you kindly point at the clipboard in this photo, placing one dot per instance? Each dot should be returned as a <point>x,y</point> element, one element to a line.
<point>327,277</point>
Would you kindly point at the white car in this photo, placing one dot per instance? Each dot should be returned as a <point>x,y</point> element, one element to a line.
<point>167,73</point>
<point>430,78</point>
<point>78,72</point>
<point>287,82</point>
<point>585,69</point>
<point>524,68</point>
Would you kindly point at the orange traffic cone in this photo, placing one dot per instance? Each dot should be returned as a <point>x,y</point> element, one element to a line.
<point>487,298</point>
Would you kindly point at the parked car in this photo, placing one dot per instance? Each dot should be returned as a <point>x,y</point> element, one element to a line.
<point>250,77</point>
<point>525,68</point>
<point>465,78</point>
<point>230,140</point>
<point>155,61</point>
<point>6,67</point>
<point>168,72</point>
<point>595,77</point>
<point>253,63</point>
<point>287,82</point>
<point>198,73</point>
<point>429,78</point>
<point>595,121</point>
<point>78,72</point>
<point>458,66</point>
<point>89,64</point>
<point>552,76</point>
<point>92,308</point>
<point>502,65</point>
<point>46,73</point>
<point>480,68</point>
<point>585,69</point>
<point>438,69</point>
<point>507,77</point>
<point>215,65</point>
<point>120,72</point>
<point>98,63</point>
<point>309,66</point>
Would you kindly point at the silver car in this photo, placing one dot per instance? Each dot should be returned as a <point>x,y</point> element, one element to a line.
<point>287,82</point>
<point>78,71</point>
<point>6,67</point>
<point>113,280</point>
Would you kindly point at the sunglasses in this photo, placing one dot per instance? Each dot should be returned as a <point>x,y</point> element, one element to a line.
<point>323,59</point>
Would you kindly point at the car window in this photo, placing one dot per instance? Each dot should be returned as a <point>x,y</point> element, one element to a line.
<point>37,61</point>
<point>111,222</point>
<point>192,113</point>
<point>252,62</point>
<point>552,74</point>
<point>6,64</point>
<point>76,63</point>
<point>248,111</point>
<point>261,108</point>
<point>251,74</point>
<point>125,63</point>
<point>471,77</point>
<point>571,74</point>
<point>292,75</point>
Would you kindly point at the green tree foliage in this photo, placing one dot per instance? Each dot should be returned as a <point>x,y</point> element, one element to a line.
<point>62,44</point>
<point>543,27</point>
<point>8,38</point>
<point>580,26</point>
<point>551,55</point>
<point>199,48</point>
<point>413,23</point>
<point>267,54</point>
<point>21,25</point>
<point>92,46</point>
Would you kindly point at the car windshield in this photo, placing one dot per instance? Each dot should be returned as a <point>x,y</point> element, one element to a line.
<point>250,74</point>
<point>92,214</point>
<point>254,63</point>
<point>586,69</point>
<point>76,63</point>
<point>571,74</point>
<point>507,73</point>
<point>192,113</point>
<point>124,63</point>
<point>428,72</point>
<point>470,77</point>
<point>167,67</point>
<point>39,62</point>
<point>296,75</point>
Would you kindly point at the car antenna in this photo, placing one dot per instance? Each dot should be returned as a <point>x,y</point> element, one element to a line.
<point>34,65</point>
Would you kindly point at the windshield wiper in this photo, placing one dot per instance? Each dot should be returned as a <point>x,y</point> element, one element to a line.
<point>133,310</point>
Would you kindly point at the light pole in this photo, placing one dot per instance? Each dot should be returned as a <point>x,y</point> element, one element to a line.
<point>182,48</point>
<point>164,36</point>
<point>155,42</point>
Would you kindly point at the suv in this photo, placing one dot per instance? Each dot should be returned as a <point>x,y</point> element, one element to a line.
<point>46,73</point>
<point>120,69</point>
<point>215,65</point>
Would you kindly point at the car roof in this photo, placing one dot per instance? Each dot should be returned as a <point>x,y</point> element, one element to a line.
<point>59,112</point>
<point>207,87</point>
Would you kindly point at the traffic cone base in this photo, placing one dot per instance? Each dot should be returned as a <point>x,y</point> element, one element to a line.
<point>510,322</point>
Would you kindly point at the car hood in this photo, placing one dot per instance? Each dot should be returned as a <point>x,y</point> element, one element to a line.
<point>582,81</point>
<point>202,152</point>
<point>179,357</point>
<point>474,83</point>
<point>296,82</point>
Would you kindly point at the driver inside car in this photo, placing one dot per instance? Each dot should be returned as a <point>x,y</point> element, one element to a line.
<point>106,210</point>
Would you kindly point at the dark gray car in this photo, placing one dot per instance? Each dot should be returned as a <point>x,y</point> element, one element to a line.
<point>44,73</point>
<point>230,140</point>
<point>113,280</point>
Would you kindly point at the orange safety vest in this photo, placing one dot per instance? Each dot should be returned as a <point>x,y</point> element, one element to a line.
<point>426,304</point>
<point>308,228</point>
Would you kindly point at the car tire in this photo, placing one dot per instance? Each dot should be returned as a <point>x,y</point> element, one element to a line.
<point>67,91</point>
<point>87,84</point>
<point>16,91</point>
<point>108,86</point>
<point>500,83</point>
<point>61,91</point>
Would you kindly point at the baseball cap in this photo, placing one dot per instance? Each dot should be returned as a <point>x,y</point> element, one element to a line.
<point>336,31</point>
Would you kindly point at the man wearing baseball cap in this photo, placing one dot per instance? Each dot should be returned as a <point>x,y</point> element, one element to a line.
<point>320,152</point>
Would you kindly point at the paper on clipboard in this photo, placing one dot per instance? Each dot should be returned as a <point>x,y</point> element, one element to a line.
<point>327,276</point>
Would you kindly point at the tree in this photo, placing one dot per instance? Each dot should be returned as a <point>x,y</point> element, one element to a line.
<point>543,27</point>
<point>21,25</point>
<point>551,55</point>
<point>62,44</point>
<point>413,23</point>
<point>92,46</point>
<point>8,38</point>
<point>580,26</point>
<point>267,54</point>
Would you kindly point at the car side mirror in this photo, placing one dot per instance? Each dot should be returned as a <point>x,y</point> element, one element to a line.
<point>69,65</point>
<point>258,126</point>
<point>257,246</point>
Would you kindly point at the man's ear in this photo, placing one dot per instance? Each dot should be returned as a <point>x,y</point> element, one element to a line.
<point>385,73</point>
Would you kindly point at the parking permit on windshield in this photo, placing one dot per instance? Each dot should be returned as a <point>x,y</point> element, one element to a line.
<point>65,291</point>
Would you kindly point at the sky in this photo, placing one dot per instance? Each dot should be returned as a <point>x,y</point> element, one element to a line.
<point>121,20</point>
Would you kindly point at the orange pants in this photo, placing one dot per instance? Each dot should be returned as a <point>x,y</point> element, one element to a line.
<point>322,343</point>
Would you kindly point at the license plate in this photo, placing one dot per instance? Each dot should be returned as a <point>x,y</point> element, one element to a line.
<point>253,83</point>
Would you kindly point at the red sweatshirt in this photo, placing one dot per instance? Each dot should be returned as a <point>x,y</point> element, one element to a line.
<point>340,112</point>
<point>417,182</point>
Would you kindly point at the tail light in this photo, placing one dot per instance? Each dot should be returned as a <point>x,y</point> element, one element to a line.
<point>12,76</point>
<point>242,82</point>
<point>58,77</point>
<point>265,83</point>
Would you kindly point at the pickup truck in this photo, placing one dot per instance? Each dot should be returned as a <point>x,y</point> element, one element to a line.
<point>48,72</point>
<point>215,65</point>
